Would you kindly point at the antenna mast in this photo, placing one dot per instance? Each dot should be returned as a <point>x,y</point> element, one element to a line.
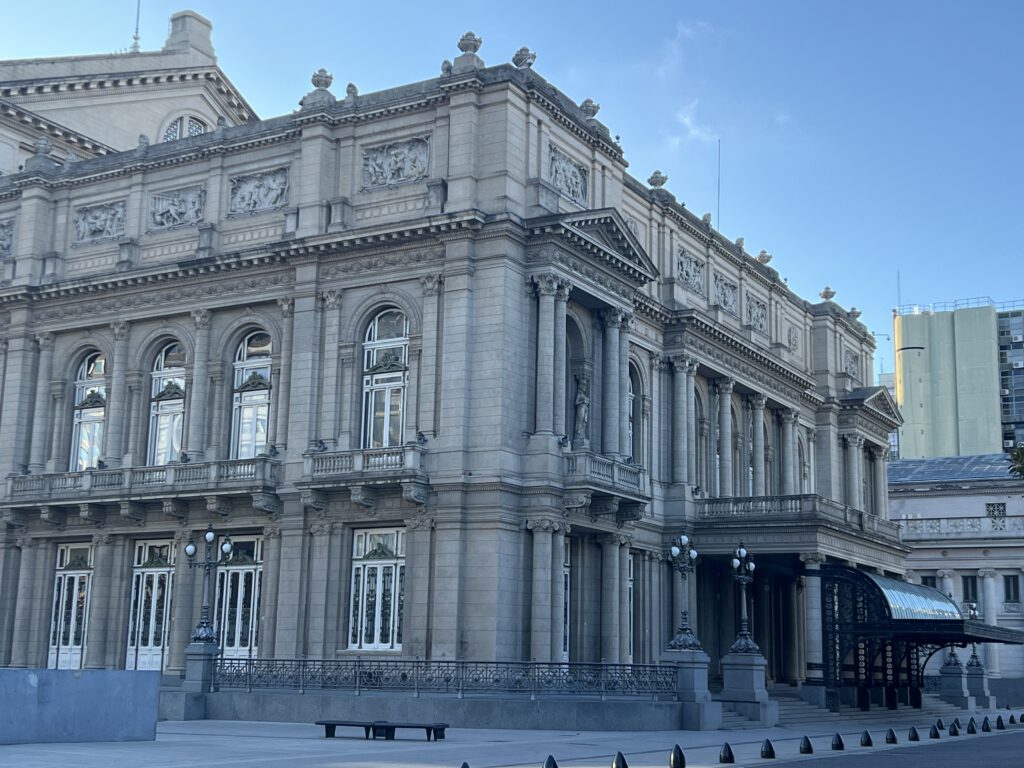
<point>135,37</point>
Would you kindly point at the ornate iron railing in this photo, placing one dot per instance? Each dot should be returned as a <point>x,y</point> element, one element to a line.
<point>455,677</point>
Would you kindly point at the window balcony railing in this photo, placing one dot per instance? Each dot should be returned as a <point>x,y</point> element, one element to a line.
<point>400,460</point>
<point>591,469</point>
<point>141,481</point>
<point>803,508</point>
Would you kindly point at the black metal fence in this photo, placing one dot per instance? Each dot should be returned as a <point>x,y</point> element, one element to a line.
<point>456,677</point>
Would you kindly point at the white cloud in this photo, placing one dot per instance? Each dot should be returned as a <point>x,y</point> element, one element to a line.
<point>674,48</point>
<point>693,130</point>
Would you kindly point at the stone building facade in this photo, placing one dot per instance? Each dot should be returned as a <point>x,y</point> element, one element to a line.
<point>447,374</point>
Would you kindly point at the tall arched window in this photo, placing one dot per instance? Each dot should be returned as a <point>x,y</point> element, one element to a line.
<point>251,406</point>
<point>385,375</point>
<point>167,404</point>
<point>90,413</point>
<point>636,417</point>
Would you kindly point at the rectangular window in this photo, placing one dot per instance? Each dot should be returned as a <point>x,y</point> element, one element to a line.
<point>377,597</point>
<point>969,585</point>
<point>1011,589</point>
<point>928,581</point>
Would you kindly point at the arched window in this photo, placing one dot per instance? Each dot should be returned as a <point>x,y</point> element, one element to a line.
<point>251,406</point>
<point>90,413</point>
<point>636,417</point>
<point>385,375</point>
<point>167,404</point>
<point>183,127</point>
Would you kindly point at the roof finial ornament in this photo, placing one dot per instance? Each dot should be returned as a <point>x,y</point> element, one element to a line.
<point>470,43</point>
<point>42,147</point>
<point>739,242</point>
<point>524,58</point>
<point>322,79</point>
<point>590,108</point>
<point>706,218</point>
<point>827,294</point>
<point>143,141</point>
<point>854,313</point>
<point>319,96</point>
<point>446,68</point>
<point>657,179</point>
<point>764,257</point>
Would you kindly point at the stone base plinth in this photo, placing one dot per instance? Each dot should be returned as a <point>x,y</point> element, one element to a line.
<point>743,675</point>
<point>699,713</point>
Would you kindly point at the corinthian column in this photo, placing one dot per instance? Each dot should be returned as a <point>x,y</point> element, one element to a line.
<point>610,409</point>
<point>284,380</point>
<point>540,612</point>
<point>757,403</point>
<point>787,452</point>
<point>989,608</point>
<point>329,398</point>
<point>117,405</point>
<point>610,599</point>
<point>625,449</point>
<point>41,413</point>
<point>881,483</point>
<point>679,421</point>
<point>544,406</point>
<point>691,421</point>
<point>725,437</point>
<point>200,384</point>
<point>561,298</point>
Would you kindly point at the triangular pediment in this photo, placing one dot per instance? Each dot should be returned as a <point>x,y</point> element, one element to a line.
<point>875,400</point>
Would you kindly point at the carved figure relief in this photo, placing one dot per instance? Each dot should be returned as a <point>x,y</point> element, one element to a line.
<point>725,293</point>
<point>851,363</point>
<point>6,239</point>
<point>568,177</point>
<point>180,207</point>
<point>793,339</point>
<point>259,191</point>
<point>99,222</point>
<point>396,163</point>
<point>691,272</point>
<point>582,408</point>
<point>632,226</point>
<point>757,314</point>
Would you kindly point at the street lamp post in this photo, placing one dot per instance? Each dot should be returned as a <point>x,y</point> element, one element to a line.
<point>684,560</point>
<point>204,631</point>
<point>743,571</point>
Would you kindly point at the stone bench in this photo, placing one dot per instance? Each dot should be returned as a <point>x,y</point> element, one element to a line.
<point>331,725</point>
<point>381,728</point>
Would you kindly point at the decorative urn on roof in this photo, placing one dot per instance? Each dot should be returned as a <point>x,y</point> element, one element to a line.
<point>657,179</point>
<point>827,294</point>
<point>470,43</point>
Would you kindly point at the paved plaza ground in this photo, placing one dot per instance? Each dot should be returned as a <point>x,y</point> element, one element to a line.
<point>266,745</point>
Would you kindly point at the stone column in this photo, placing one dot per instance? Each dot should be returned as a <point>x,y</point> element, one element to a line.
<point>811,462</point>
<point>610,396</point>
<point>560,531</point>
<point>561,298</point>
<point>433,335</point>
<point>757,403</point>
<point>813,626</point>
<point>182,616</point>
<point>787,474</point>
<point>610,599</point>
<point>540,590</point>
<point>625,626</point>
<point>725,437</point>
<point>99,627</point>
<point>268,603</point>
<point>200,387</point>
<point>113,448</point>
<point>24,599</point>
<point>793,635</point>
<point>41,414</point>
<point>852,450</point>
<point>989,607</point>
<point>418,570</point>
<point>691,421</point>
<point>625,449</point>
<point>545,390</point>
<point>319,561</point>
<point>946,582</point>
<point>329,398</point>
<point>680,438</point>
<point>881,483</point>
<point>284,378</point>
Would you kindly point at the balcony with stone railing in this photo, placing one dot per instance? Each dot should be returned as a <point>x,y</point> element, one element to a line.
<point>362,472</point>
<point>803,508</point>
<point>585,469</point>
<point>942,528</point>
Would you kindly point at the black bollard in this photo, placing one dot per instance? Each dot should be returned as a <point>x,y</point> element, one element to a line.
<point>986,726</point>
<point>954,730</point>
<point>838,745</point>
<point>619,761</point>
<point>550,762</point>
<point>956,722</point>
<point>1000,725</point>
<point>726,756</point>
<point>865,740</point>
<point>805,746</point>
<point>933,732</point>
<point>767,750</point>
<point>972,721</point>
<point>940,724</point>
<point>913,735</point>
<point>1012,720</point>
<point>971,727</point>
<point>464,765</point>
<point>676,759</point>
<point>890,737</point>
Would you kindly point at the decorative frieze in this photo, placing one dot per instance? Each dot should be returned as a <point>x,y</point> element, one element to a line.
<point>258,192</point>
<point>757,313</point>
<point>397,162</point>
<point>725,293</point>
<point>851,363</point>
<point>691,272</point>
<point>6,239</point>
<point>99,222</point>
<point>177,208</point>
<point>568,177</point>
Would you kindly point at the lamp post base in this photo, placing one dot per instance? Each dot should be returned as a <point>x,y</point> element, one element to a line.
<point>199,660</point>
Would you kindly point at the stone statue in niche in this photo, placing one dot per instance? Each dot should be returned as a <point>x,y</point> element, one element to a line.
<point>757,314</point>
<point>725,293</point>
<point>395,163</point>
<point>568,177</point>
<point>6,239</point>
<point>99,222</point>
<point>259,191</point>
<point>177,208</point>
<point>851,363</point>
<point>691,272</point>
<point>793,339</point>
<point>582,408</point>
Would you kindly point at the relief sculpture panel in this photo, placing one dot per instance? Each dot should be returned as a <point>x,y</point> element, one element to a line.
<point>757,314</point>
<point>179,207</point>
<point>99,222</point>
<point>259,191</point>
<point>691,272</point>
<point>851,363</point>
<point>396,163</point>
<point>568,177</point>
<point>725,293</point>
<point>6,239</point>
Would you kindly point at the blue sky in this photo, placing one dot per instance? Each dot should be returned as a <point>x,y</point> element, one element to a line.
<point>858,140</point>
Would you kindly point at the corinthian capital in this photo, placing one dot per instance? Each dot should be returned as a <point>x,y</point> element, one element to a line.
<point>120,329</point>
<point>201,317</point>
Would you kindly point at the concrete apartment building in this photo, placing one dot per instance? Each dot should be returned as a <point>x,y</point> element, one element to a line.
<point>448,375</point>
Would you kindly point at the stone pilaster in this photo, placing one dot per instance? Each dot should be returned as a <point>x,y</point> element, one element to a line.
<point>788,454</point>
<point>284,379</point>
<point>625,449</point>
<point>268,602</point>
<point>757,404</point>
<point>610,599</point>
<point>42,413</point>
<point>561,530</point>
<point>691,421</point>
<point>945,578</point>
<point>199,395</point>
<point>99,629</point>
<point>183,616</point>
<point>881,482</point>
<point>329,400</point>
<point>561,299</point>
<point>813,626</point>
<point>680,438</point>
<point>725,437</point>
<point>540,589</point>
<point>610,405</point>
<point>990,609</point>
<point>117,405</point>
<point>625,626</point>
<point>546,286</point>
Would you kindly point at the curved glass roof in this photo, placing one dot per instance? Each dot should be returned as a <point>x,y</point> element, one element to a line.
<point>915,601</point>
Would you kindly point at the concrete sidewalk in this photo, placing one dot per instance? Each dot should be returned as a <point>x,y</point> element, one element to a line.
<point>263,745</point>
